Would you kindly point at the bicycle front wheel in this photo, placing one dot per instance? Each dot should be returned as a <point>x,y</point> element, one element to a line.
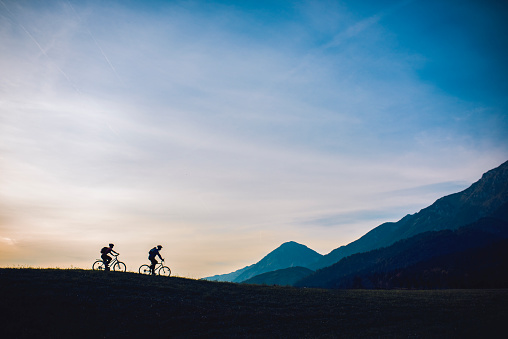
<point>120,267</point>
<point>145,269</point>
<point>98,266</point>
<point>165,271</point>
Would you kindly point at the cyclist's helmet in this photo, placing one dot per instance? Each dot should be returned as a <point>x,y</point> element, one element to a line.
<point>159,246</point>
<point>111,245</point>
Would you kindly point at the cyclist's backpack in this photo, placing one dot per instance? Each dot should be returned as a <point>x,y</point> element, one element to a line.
<point>153,252</point>
<point>104,250</point>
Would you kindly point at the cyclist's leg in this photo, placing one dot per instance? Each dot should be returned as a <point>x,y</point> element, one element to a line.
<point>152,266</point>
<point>107,260</point>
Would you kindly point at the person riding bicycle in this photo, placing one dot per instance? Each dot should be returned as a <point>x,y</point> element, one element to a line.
<point>151,256</point>
<point>105,257</point>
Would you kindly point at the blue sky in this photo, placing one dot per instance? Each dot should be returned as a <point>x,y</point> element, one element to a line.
<point>222,129</point>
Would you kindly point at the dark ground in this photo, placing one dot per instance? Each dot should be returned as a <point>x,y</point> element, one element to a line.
<point>50,303</point>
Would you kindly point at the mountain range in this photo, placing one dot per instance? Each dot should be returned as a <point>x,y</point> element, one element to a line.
<point>289,254</point>
<point>283,277</point>
<point>463,221</point>
<point>363,269</point>
<point>450,212</point>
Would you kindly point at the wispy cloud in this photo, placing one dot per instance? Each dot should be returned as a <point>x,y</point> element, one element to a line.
<point>349,218</point>
<point>94,40</point>
<point>42,50</point>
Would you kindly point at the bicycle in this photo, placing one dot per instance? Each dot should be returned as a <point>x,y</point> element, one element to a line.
<point>116,264</point>
<point>160,269</point>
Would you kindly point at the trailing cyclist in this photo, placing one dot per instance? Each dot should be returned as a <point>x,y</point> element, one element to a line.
<point>105,257</point>
<point>151,256</point>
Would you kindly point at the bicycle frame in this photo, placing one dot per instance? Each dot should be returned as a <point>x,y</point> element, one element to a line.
<point>99,264</point>
<point>158,266</point>
<point>112,262</point>
<point>159,269</point>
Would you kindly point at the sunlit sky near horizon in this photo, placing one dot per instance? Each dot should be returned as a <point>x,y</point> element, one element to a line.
<point>221,129</point>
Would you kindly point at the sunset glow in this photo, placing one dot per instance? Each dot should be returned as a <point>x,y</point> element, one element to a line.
<point>221,129</point>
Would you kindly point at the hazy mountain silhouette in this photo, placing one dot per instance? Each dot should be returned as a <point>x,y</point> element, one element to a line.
<point>282,277</point>
<point>449,212</point>
<point>368,269</point>
<point>228,276</point>
<point>289,254</point>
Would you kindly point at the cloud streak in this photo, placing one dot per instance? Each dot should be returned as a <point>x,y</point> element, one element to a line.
<point>96,42</point>
<point>34,40</point>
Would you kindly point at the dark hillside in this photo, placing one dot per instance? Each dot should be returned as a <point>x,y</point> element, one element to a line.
<point>87,304</point>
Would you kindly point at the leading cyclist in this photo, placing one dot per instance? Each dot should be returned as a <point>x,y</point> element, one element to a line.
<point>151,256</point>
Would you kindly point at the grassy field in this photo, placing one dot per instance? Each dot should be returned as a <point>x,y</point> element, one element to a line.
<point>51,303</point>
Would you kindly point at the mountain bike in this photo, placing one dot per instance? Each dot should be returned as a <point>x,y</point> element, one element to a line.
<point>116,264</point>
<point>160,269</point>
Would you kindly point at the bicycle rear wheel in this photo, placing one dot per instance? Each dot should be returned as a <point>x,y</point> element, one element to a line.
<point>98,266</point>
<point>165,271</point>
<point>145,269</point>
<point>120,267</point>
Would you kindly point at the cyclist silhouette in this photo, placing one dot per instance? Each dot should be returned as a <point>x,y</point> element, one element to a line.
<point>105,257</point>
<point>151,256</point>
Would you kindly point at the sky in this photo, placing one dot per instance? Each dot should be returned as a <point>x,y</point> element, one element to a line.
<point>222,129</point>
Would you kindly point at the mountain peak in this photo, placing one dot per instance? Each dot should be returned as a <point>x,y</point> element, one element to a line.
<point>289,254</point>
<point>290,251</point>
<point>290,244</point>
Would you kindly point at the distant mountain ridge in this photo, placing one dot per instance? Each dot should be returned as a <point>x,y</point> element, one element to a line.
<point>473,256</point>
<point>283,277</point>
<point>363,270</point>
<point>483,267</point>
<point>228,276</point>
<point>289,254</point>
<point>458,222</point>
<point>449,212</point>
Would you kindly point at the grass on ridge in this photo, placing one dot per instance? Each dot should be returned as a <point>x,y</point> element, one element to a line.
<point>89,304</point>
